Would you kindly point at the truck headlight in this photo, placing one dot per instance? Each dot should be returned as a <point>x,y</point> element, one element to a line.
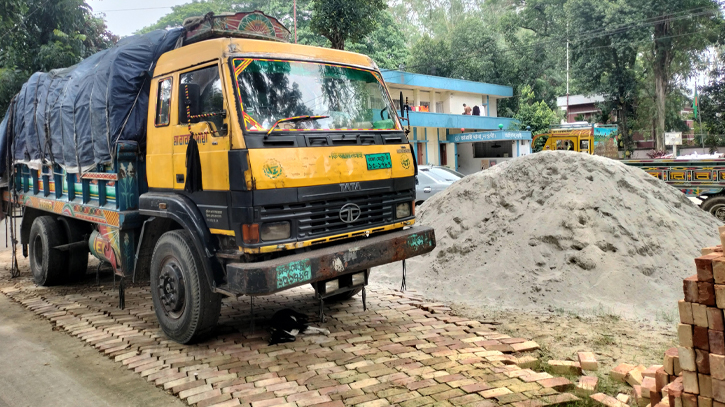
<point>275,231</point>
<point>402,210</point>
<point>358,279</point>
<point>332,285</point>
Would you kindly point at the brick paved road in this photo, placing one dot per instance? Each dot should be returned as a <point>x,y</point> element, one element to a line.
<point>401,351</point>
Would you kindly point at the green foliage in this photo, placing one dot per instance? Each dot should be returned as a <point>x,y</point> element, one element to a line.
<point>386,44</point>
<point>712,104</point>
<point>41,35</point>
<point>537,115</point>
<point>343,20</point>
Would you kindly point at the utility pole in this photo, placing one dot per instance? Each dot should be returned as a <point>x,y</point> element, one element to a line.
<point>295,13</point>
<point>567,72</point>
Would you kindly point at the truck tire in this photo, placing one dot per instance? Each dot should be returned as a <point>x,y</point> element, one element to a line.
<point>716,206</point>
<point>344,296</point>
<point>49,265</point>
<point>76,231</point>
<point>185,307</point>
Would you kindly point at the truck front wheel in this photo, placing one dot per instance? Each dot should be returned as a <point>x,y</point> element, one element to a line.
<point>48,264</point>
<point>186,308</point>
<point>716,206</point>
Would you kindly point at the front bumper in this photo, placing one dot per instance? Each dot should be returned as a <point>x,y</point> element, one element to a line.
<point>268,277</point>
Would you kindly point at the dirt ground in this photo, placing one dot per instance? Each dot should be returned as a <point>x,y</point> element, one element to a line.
<point>561,335</point>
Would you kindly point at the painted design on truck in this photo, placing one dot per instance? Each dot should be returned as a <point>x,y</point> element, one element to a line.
<point>78,211</point>
<point>272,168</point>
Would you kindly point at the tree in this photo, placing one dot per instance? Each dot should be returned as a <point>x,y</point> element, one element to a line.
<point>712,104</point>
<point>537,116</point>
<point>386,45</point>
<point>343,20</point>
<point>41,35</point>
<point>604,62</point>
<point>682,29</point>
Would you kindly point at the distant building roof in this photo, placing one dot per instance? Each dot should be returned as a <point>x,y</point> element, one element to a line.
<point>417,80</point>
<point>579,100</point>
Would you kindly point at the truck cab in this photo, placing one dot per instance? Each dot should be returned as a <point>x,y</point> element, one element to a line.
<point>287,135</point>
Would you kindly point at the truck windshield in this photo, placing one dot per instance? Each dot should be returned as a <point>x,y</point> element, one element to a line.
<point>354,99</point>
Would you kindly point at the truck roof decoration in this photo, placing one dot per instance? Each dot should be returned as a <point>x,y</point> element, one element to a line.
<point>254,25</point>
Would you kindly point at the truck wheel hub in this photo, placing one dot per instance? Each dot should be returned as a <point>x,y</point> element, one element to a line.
<point>171,288</point>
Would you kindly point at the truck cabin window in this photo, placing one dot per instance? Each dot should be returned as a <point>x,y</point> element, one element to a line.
<point>163,102</point>
<point>353,99</point>
<point>201,90</point>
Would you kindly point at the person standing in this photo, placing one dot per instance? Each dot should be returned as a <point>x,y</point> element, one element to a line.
<point>466,109</point>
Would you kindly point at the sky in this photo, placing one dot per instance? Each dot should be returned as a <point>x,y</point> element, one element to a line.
<point>124,17</point>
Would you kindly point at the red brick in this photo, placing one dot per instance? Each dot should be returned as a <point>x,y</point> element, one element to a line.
<point>718,390</point>
<point>715,319</point>
<point>706,293</point>
<point>702,360</point>
<point>689,286</point>
<point>700,338</point>
<point>661,379</point>
<point>476,387</point>
<point>557,383</point>
<point>716,341</point>
<point>704,268</point>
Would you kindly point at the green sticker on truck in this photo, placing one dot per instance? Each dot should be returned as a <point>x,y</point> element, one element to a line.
<point>293,273</point>
<point>379,161</point>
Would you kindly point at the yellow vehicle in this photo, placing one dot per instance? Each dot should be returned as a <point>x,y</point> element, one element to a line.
<point>584,138</point>
<point>265,166</point>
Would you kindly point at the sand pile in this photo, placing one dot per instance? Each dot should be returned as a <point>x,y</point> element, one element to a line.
<point>560,230</point>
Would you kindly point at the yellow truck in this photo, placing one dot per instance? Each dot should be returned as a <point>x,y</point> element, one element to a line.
<point>585,138</point>
<point>219,160</point>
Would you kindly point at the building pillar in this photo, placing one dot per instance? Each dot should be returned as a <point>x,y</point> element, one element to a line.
<point>433,101</point>
<point>416,97</point>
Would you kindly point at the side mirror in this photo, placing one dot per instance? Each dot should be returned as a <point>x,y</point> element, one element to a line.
<point>416,181</point>
<point>223,131</point>
<point>189,96</point>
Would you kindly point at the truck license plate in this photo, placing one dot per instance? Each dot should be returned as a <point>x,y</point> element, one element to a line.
<point>378,161</point>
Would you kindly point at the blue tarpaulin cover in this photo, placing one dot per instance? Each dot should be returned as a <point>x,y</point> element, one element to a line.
<point>74,116</point>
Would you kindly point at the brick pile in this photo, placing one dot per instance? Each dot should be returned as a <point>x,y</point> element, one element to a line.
<point>692,374</point>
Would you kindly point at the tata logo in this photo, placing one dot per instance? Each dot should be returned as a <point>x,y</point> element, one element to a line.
<point>350,213</point>
<point>350,186</point>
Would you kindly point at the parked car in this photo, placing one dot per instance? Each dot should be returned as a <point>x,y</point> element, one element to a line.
<point>432,179</point>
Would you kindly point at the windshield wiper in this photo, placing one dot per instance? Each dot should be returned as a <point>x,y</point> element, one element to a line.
<point>294,119</point>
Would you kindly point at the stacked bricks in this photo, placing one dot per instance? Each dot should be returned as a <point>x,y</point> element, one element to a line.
<point>693,375</point>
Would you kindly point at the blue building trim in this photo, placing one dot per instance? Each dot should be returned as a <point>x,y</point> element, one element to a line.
<point>488,136</point>
<point>458,121</point>
<point>437,82</point>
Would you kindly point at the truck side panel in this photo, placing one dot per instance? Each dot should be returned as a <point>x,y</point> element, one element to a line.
<point>107,199</point>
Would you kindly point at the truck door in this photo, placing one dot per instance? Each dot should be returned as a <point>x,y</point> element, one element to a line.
<point>202,111</point>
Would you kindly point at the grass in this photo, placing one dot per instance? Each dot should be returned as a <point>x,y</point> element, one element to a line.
<point>604,340</point>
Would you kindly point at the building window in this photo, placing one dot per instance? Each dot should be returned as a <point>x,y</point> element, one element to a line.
<point>163,102</point>
<point>439,107</point>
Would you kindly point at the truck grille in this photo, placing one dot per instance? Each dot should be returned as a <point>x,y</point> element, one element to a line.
<point>322,218</point>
